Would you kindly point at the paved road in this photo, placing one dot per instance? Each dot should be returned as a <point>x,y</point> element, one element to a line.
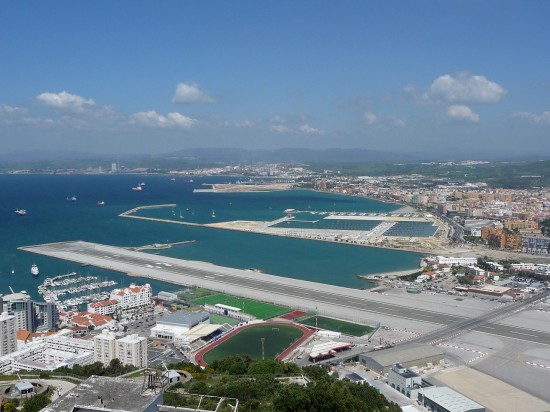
<point>276,289</point>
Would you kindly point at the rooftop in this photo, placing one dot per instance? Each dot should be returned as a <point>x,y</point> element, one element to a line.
<point>183,318</point>
<point>404,354</point>
<point>404,372</point>
<point>106,394</point>
<point>450,400</point>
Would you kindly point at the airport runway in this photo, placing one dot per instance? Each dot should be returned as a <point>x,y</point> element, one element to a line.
<point>354,303</point>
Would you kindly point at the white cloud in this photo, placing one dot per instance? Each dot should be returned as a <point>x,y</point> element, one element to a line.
<point>11,115</point>
<point>244,124</point>
<point>462,113</point>
<point>409,89</point>
<point>543,118</point>
<point>279,128</point>
<point>191,93</point>
<point>398,122</point>
<point>171,120</point>
<point>65,102</point>
<point>306,128</point>
<point>370,117</point>
<point>9,111</point>
<point>464,88</point>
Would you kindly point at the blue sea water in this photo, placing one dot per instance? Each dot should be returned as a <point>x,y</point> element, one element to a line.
<point>52,218</point>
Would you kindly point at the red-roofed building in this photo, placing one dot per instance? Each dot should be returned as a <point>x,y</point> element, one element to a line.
<point>87,319</point>
<point>24,337</point>
<point>479,278</point>
<point>104,307</point>
<point>132,297</point>
<point>79,330</point>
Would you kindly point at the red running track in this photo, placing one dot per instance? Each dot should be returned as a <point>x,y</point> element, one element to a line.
<point>293,315</point>
<point>307,333</point>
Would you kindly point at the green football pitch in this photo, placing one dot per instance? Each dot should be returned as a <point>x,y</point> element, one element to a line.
<point>257,309</point>
<point>248,342</point>
<point>335,325</point>
<point>220,319</point>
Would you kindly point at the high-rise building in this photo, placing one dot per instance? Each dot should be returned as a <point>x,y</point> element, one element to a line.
<point>104,347</point>
<point>30,315</point>
<point>132,350</point>
<point>8,339</point>
<point>47,316</point>
<point>21,307</point>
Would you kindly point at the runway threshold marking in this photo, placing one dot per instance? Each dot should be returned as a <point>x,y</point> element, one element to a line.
<point>526,334</point>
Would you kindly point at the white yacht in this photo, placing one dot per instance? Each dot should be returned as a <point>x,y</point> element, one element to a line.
<point>34,270</point>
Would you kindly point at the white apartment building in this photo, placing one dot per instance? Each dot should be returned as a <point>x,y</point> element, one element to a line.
<point>132,350</point>
<point>105,347</point>
<point>105,307</point>
<point>49,353</point>
<point>462,261</point>
<point>523,266</point>
<point>8,338</point>
<point>133,296</point>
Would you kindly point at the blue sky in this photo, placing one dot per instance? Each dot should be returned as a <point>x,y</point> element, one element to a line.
<point>152,77</point>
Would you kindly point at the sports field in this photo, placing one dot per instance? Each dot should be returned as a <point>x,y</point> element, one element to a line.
<point>257,309</point>
<point>220,319</point>
<point>248,342</point>
<point>335,325</point>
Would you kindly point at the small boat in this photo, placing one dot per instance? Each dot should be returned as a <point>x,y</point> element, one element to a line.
<point>34,270</point>
<point>213,214</point>
<point>12,270</point>
<point>181,216</point>
<point>137,188</point>
<point>72,198</point>
<point>100,203</point>
<point>173,178</point>
<point>21,212</point>
<point>142,184</point>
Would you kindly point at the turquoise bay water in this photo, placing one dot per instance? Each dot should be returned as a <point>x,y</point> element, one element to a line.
<point>52,218</point>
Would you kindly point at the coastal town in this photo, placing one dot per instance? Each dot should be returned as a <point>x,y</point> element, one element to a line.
<point>485,252</point>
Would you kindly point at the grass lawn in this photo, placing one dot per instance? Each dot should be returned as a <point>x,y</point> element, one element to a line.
<point>335,325</point>
<point>257,309</point>
<point>248,342</point>
<point>195,294</point>
<point>220,320</point>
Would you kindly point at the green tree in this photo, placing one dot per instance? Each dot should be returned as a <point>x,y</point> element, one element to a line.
<point>36,403</point>
<point>9,407</point>
<point>234,365</point>
<point>292,398</point>
<point>316,373</point>
<point>267,367</point>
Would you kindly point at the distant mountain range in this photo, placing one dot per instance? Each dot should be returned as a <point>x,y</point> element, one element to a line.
<point>227,155</point>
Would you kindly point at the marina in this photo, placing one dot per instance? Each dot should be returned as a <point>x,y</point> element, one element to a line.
<point>71,290</point>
